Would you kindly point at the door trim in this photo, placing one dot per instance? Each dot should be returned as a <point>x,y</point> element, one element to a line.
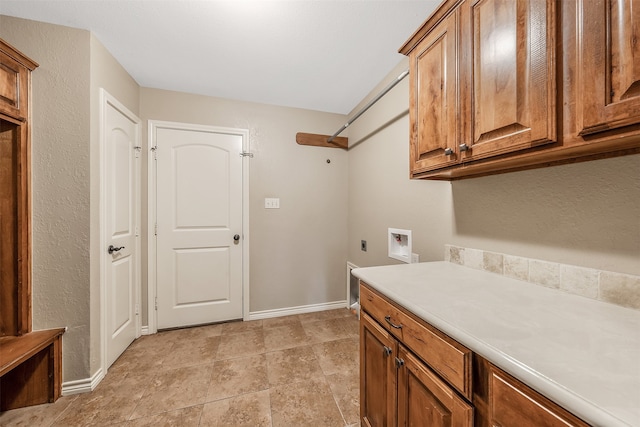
<point>105,99</point>
<point>153,126</point>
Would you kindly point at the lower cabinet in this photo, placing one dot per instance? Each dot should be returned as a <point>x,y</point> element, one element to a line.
<point>405,382</point>
<point>397,388</point>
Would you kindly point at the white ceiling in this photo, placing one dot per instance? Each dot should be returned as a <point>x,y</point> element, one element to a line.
<point>323,55</point>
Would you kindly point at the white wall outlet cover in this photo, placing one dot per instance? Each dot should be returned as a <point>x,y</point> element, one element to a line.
<point>271,203</point>
<point>400,244</point>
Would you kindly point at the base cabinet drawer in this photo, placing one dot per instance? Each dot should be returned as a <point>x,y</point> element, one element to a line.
<point>514,404</point>
<point>447,357</point>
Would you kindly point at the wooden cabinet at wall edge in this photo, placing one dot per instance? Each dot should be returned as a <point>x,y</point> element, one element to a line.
<point>499,86</point>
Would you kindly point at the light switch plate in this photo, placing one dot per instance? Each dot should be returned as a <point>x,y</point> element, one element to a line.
<point>271,203</point>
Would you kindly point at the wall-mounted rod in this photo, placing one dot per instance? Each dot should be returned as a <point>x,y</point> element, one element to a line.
<point>370,103</point>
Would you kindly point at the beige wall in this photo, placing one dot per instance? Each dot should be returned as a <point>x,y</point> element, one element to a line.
<point>108,74</point>
<point>61,182</point>
<point>381,195</point>
<point>297,252</point>
<point>585,214</point>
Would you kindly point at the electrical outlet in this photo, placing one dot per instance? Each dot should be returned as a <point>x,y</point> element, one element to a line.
<point>415,258</point>
<point>363,245</point>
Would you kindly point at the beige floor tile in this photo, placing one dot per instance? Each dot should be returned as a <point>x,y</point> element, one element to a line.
<point>196,332</point>
<point>324,315</point>
<point>286,336</point>
<point>241,344</point>
<point>192,351</point>
<point>139,359</point>
<point>238,376</point>
<point>239,327</point>
<point>175,389</point>
<point>292,365</point>
<point>338,356</point>
<point>345,387</point>
<point>352,326</point>
<point>185,417</point>
<point>220,375</point>
<point>325,330</point>
<point>105,405</point>
<point>40,415</point>
<point>250,410</point>
<point>307,403</point>
<point>280,321</point>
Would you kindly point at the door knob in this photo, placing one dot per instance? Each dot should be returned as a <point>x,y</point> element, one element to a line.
<point>236,237</point>
<point>111,249</point>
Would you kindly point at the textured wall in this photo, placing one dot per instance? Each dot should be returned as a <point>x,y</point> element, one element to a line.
<point>60,141</point>
<point>297,252</point>
<point>380,192</point>
<point>106,73</point>
<point>585,214</point>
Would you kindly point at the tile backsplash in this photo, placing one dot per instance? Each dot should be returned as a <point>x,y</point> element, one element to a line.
<point>607,286</point>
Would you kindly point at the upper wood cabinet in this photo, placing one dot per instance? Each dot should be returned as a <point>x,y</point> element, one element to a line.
<point>434,99</point>
<point>504,85</point>
<point>508,81</point>
<point>608,69</point>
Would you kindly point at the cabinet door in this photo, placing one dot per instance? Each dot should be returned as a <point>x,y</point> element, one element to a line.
<point>425,400</point>
<point>433,99</point>
<point>608,69</point>
<point>377,374</point>
<point>14,86</point>
<point>509,83</point>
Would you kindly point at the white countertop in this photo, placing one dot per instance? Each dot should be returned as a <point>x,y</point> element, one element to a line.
<point>581,353</point>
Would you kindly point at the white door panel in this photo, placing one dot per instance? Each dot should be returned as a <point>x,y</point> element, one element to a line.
<point>199,210</point>
<point>121,137</point>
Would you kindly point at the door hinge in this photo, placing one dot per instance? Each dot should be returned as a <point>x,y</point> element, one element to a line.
<point>137,231</point>
<point>137,310</point>
<point>246,154</point>
<point>155,229</point>
<point>155,152</point>
<point>156,303</point>
<point>137,150</point>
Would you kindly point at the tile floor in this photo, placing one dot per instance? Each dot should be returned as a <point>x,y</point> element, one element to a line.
<point>289,371</point>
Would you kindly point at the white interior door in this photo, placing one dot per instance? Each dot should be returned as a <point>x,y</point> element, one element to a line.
<point>199,226</point>
<point>121,213</point>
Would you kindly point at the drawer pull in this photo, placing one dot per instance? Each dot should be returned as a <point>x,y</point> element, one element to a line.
<point>387,351</point>
<point>393,325</point>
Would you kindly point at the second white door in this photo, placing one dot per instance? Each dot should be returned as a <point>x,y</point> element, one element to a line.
<point>199,226</point>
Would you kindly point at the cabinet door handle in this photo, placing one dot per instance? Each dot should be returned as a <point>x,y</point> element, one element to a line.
<point>399,363</point>
<point>464,147</point>
<point>387,351</point>
<point>448,151</point>
<point>393,325</point>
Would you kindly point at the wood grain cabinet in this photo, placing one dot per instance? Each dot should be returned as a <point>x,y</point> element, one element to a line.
<point>397,387</point>
<point>608,67</point>
<point>411,374</point>
<point>503,85</point>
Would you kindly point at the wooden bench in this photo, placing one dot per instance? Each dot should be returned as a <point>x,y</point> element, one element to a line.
<point>30,368</point>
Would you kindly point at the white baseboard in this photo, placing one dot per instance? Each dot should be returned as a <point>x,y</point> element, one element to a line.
<point>278,312</point>
<point>82,386</point>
